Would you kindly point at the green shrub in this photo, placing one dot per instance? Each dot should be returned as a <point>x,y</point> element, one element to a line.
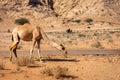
<point>21,21</point>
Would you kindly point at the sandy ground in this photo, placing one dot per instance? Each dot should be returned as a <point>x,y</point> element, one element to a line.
<point>80,67</point>
<point>102,33</point>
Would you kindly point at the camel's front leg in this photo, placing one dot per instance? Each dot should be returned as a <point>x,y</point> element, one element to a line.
<point>40,57</point>
<point>31,51</point>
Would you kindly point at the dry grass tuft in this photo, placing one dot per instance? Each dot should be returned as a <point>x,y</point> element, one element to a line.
<point>57,72</point>
<point>25,61</point>
<point>2,66</point>
<point>97,45</point>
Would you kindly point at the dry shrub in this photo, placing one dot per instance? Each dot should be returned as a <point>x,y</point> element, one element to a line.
<point>47,71</point>
<point>89,20</point>
<point>24,61</point>
<point>97,45</point>
<point>113,58</point>
<point>77,21</point>
<point>57,72</point>
<point>69,30</point>
<point>2,66</point>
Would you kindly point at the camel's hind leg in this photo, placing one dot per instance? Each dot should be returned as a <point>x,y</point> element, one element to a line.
<point>10,57</point>
<point>40,57</point>
<point>13,48</point>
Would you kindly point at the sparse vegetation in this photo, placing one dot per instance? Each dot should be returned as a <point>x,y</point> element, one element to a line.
<point>113,58</point>
<point>89,20</point>
<point>69,30</point>
<point>2,66</point>
<point>96,45</point>
<point>25,61</point>
<point>77,21</point>
<point>21,21</point>
<point>56,72</point>
<point>81,35</point>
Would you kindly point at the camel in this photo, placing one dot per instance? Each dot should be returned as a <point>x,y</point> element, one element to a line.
<point>27,32</point>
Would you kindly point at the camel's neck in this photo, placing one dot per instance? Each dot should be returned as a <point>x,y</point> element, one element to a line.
<point>53,44</point>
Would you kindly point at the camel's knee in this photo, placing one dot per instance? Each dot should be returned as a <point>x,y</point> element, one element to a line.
<point>13,46</point>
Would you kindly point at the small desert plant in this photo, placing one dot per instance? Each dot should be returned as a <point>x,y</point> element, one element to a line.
<point>96,34</point>
<point>96,45</point>
<point>69,30</point>
<point>2,66</point>
<point>77,21</point>
<point>47,71</point>
<point>56,72</point>
<point>24,61</point>
<point>113,58</point>
<point>81,35</point>
<point>89,20</point>
<point>21,21</point>
<point>110,40</point>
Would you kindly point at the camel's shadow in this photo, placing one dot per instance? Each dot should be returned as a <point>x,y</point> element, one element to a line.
<point>61,60</point>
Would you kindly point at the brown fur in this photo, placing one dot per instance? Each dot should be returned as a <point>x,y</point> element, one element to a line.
<point>27,32</point>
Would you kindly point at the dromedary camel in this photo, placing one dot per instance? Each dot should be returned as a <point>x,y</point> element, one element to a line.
<point>27,32</point>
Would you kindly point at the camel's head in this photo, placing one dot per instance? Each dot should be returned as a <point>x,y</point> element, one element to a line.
<point>63,49</point>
